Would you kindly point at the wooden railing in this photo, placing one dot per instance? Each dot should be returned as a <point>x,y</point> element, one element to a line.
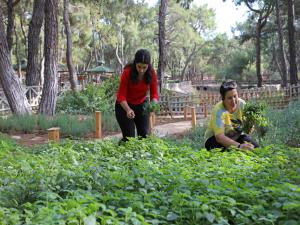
<point>33,94</point>
<point>174,105</point>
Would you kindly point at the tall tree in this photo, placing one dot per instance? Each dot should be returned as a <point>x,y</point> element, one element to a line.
<point>50,87</point>
<point>69,55</point>
<point>11,84</point>
<point>291,37</point>
<point>162,41</point>
<point>33,73</point>
<point>282,59</point>
<point>263,14</point>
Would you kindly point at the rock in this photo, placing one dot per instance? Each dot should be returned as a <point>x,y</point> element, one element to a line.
<point>16,137</point>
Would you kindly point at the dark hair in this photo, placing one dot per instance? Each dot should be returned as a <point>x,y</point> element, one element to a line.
<point>141,56</point>
<point>227,85</point>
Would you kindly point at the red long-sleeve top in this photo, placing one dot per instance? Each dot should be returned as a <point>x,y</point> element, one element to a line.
<point>135,93</point>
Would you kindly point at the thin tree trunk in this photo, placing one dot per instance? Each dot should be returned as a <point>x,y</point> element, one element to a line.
<point>50,87</point>
<point>262,20</point>
<point>72,71</point>
<point>258,56</point>
<point>10,24</point>
<point>292,47</point>
<point>118,57</point>
<point>17,54</point>
<point>33,70</point>
<point>162,41</point>
<point>23,32</point>
<point>282,59</point>
<point>11,84</point>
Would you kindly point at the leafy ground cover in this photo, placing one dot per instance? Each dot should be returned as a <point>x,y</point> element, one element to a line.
<point>147,182</point>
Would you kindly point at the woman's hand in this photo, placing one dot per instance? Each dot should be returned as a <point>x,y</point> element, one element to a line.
<point>130,114</point>
<point>247,146</point>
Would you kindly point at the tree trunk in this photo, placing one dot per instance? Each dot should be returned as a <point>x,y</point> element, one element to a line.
<point>50,87</point>
<point>258,56</point>
<point>10,24</point>
<point>292,47</point>
<point>17,54</point>
<point>33,69</point>
<point>72,71</point>
<point>282,59</point>
<point>11,84</point>
<point>264,13</point>
<point>162,41</point>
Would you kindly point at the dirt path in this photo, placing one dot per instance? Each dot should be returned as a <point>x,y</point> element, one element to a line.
<point>161,130</point>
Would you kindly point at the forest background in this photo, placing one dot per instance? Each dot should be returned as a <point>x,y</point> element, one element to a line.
<point>49,34</point>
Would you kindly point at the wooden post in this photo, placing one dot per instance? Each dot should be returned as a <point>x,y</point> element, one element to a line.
<point>193,117</point>
<point>185,111</point>
<point>205,109</point>
<point>98,125</point>
<point>53,133</point>
<point>152,122</point>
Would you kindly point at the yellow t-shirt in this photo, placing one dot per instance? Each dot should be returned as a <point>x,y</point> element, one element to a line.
<point>221,121</point>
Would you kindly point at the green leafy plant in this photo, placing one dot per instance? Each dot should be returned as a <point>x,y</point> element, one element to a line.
<point>254,117</point>
<point>151,107</point>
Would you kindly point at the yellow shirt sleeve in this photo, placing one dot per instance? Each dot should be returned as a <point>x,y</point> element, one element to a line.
<point>217,121</point>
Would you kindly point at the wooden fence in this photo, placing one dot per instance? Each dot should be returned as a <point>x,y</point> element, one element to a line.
<point>174,104</point>
<point>204,101</point>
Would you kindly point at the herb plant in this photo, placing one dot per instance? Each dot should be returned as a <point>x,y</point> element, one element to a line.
<point>254,117</point>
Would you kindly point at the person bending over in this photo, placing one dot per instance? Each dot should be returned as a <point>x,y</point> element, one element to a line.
<point>225,124</point>
<point>137,78</point>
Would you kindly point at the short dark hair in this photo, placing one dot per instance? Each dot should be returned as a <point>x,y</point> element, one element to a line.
<point>227,85</point>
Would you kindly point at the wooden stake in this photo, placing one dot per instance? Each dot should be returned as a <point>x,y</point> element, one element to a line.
<point>53,134</point>
<point>193,117</point>
<point>98,125</point>
<point>152,122</point>
<point>185,112</point>
<point>205,109</point>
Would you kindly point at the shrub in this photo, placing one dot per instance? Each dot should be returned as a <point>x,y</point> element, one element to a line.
<point>284,125</point>
<point>93,98</point>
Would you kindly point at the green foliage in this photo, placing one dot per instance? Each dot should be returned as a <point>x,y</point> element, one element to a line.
<point>148,182</point>
<point>70,125</point>
<point>72,102</point>
<point>284,126</point>
<point>194,137</point>
<point>93,98</point>
<point>151,106</point>
<point>254,117</point>
<point>24,123</point>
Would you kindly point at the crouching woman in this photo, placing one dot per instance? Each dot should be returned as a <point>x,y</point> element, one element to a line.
<point>225,125</point>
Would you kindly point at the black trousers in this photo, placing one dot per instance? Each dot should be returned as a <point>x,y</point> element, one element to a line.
<point>212,143</point>
<point>140,122</point>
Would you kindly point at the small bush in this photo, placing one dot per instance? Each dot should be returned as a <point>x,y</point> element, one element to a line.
<point>91,99</point>
<point>284,126</point>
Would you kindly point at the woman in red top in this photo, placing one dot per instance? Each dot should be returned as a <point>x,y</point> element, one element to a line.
<point>136,80</point>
